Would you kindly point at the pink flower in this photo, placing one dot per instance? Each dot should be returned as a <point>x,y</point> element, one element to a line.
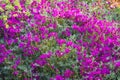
<point>59,77</point>
<point>16,73</point>
<point>68,73</point>
<point>117,64</point>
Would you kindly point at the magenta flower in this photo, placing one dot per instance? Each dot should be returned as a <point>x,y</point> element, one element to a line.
<point>67,32</point>
<point>55,12</point>
<point>16,73</point>
<point>68,73</point>
<point>67,50</point>
<point>69,43</point>
<point>59,77</point>
<point>4,53</point>
<point>36,38</point>
<point>42,60</point>
<point>59,53</point>
<point>117,64</point>
<point>61,41</point>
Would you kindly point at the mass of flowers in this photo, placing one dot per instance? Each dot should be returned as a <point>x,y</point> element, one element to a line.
<point>58,40</point>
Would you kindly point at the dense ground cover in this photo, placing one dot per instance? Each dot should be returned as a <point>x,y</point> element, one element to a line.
<point>59,40</point>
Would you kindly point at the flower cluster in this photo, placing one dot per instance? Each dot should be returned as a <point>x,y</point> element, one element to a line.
<point>56,40</point>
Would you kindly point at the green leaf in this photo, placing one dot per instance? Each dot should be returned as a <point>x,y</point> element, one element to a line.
<point>22,67</point>
<point>9,7</point>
